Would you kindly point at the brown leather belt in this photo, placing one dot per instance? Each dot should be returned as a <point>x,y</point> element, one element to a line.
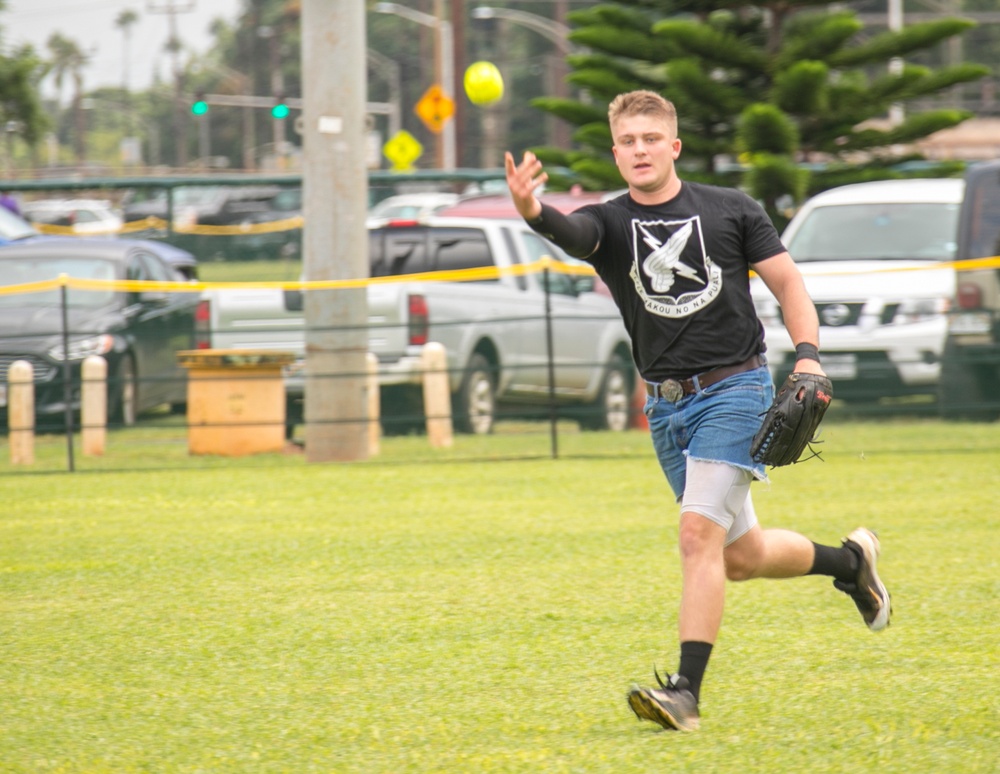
<point>675,389</point>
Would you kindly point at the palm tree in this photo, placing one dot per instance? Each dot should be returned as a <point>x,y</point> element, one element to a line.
<point>125,21</point>
<point>68,59</point>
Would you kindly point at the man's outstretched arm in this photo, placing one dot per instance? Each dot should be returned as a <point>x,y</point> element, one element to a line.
<point>576,234</point>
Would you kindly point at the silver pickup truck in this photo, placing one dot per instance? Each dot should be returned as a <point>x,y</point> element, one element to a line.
<point>496,331</point>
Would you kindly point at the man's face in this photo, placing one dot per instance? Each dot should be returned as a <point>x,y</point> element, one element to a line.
<point>645,150</point>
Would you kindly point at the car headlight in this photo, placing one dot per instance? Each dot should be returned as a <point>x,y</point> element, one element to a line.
<point>81,348</point>
<point>921,309</point>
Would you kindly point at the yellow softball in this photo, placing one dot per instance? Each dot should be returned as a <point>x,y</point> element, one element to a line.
<point>483,83</point>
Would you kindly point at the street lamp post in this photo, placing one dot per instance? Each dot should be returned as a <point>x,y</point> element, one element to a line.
<point>555,31</point>
<point>444,68</point>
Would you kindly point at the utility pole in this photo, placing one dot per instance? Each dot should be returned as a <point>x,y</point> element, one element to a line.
<point>460,119</point>
<point>335,241</point>
<point>171,8</point>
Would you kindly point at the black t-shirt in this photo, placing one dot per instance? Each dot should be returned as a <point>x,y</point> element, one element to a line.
<point>679,272</point>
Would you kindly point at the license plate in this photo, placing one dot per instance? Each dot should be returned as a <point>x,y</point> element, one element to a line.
<point>971,322</point>
<point>840,366</point>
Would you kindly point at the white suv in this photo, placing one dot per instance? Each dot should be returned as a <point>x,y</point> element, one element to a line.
<point>875,261</point>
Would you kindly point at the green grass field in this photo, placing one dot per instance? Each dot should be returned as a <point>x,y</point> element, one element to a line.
<point>484,609</point>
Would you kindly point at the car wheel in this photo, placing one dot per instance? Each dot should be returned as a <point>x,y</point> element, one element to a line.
<point>612,409</point>
<point>124,405</point>
<point>474,407</point>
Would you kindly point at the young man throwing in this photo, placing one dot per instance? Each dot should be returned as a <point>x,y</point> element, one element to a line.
<point>676,257</point>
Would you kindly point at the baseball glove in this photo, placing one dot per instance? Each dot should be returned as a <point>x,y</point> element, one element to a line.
<point>790,424</point>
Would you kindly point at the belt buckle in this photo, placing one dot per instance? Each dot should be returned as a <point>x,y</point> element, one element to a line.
<point>671,390</point>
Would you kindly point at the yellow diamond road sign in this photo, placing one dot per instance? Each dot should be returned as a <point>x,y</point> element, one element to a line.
<point>402,149</point>
<point>434,108</point>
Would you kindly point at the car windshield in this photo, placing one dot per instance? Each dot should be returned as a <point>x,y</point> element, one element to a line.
<point>192,196</point>
<point>913,231</point>
<point>17,271</point>
<point>13,227</point>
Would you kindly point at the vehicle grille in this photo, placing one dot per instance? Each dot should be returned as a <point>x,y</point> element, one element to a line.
<point>43,369</point>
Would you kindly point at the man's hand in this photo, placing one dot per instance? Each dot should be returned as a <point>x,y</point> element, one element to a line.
<point>523,179</point>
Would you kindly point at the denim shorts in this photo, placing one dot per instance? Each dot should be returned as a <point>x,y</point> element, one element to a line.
<point>716,424</point>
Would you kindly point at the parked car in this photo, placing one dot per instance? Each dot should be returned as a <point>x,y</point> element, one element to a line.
<point>80,217</point>
<point>874,257</point>
<point>14,228</point>
<point>970,382</point>
<point>412,205</point>
<point>138,333</point>
<point>196,210</point>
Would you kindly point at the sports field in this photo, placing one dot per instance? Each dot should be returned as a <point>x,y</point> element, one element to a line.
<point>458,612</point>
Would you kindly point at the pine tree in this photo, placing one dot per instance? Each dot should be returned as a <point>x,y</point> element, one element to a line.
<point>793,90</point>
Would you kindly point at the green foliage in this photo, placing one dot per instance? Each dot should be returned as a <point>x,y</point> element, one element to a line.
<point>911,38</point>
<point>20,105</point>
<point>770,176</point>
<point>765,128</point>
<point>701,40</point>
<point>691,84</point>
<point>802,88</point>
<point>624,42</point>
<point>816,37</point>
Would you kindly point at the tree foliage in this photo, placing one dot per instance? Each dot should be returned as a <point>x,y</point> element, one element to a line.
<point>20,106</point>
<point>774,84</point>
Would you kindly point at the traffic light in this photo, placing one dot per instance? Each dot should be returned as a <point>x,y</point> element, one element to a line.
<point>199,107</point>
<point>280,110</point>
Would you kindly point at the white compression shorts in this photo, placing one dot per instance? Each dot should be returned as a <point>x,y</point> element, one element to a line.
<point>720,493</point>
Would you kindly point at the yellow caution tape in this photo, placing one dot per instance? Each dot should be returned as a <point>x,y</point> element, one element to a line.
<point>461,275</point>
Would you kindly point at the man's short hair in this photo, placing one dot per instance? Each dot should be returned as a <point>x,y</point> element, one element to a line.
<point>642,103</point>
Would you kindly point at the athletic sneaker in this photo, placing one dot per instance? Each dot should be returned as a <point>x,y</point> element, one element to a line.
<point>867,591</point>
<point>672,705</point>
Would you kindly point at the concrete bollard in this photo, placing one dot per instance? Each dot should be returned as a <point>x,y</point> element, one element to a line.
<point>21,412</point>
<point>94,406</point>
<point>374,404</point>
<point>437,395</point>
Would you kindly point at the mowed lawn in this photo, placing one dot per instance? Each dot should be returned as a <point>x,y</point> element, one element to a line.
<point>422,614</point>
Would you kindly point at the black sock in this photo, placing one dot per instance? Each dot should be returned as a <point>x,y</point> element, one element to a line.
<point>842,563</point>
<point>694,661</point>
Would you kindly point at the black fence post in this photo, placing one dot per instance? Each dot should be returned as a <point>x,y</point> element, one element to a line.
<point>67,371</point>
<point>549,347</point>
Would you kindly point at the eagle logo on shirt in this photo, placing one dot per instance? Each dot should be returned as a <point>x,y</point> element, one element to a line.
<point>672,273</point>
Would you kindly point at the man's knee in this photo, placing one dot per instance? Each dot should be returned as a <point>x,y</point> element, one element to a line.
<point>699,535</point>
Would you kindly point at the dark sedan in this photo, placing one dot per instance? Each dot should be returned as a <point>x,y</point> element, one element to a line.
<point>138,333</point>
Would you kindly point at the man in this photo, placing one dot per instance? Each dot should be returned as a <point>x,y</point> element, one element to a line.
<point>676,257</point>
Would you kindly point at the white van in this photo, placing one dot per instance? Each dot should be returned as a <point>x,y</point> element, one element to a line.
<point>874,257</point>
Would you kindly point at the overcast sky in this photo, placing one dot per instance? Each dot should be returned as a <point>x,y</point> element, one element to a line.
<point>91,24</point>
